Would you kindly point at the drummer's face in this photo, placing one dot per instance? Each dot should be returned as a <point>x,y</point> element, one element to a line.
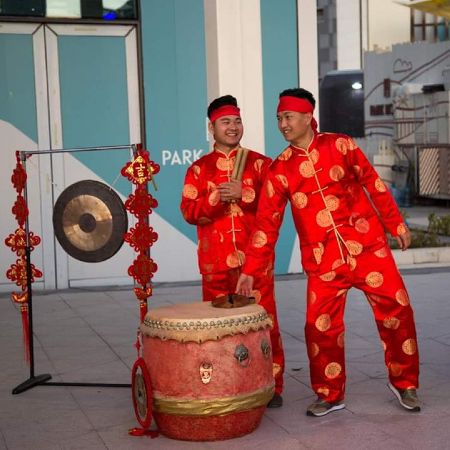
<point>227,132</point>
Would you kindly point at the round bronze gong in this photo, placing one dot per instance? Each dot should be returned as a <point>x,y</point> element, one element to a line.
<point>90,221</point>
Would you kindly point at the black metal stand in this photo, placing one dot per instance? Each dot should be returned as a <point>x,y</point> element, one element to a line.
<point>33,380</point>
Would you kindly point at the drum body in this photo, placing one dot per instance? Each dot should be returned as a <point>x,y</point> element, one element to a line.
<point>210,369</point>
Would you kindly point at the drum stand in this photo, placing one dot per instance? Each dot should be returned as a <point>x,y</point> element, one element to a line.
<point>43,379</point>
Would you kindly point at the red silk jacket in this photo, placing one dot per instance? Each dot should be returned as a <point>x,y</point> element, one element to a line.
<point>223,229</point>
<point>335,219</point>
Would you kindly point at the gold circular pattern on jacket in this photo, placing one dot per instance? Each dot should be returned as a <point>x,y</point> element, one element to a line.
<point>259,239</point>
<point>314,155</point>
<point>395,368</point>
<point>379,185</point>
<point>401,229</point>
<point>285,155</point>
<point>392,323</point>
<point>383,344</point>
<point>332,202</point>
<point>351,263</point>
<point>402,297</point>
<point>329,276</point>
<point>381,253</point>
<point>337,263</point>
<point>190,191</point>
<point>362,225</point>
<point>196,169</point>
<point>317,252</point>
<point>283,180</point>
<point>312,297</point>
<point>248,194</point>
<point>235,259</point>
<point>258,164</point>
<point>342,145</point>
<point>341,339</point>
<point>306,169</point>
<point>336,173</point>
<point>299,200</point>
<point>257,294</point>
<point>333,370</point>
<point>225,164</point>
<point>409,346</point>
<point>354,247</point>
<point>374,279</point>
<point>314,349</point>
<point>323,390</point>
<point>214,198</point>
<point>323,322</point>
<point>352,144</point>
<point>341,292</point>
<point>323,218</point>
<point>207,267</point>
<point>270,191</point>
<point>203,244</point>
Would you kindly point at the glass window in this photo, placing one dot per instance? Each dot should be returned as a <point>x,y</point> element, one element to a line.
<point>109,10</point>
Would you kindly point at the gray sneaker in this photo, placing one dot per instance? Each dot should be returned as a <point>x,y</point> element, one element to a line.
<point>407,398</point>
<point>321,407</point>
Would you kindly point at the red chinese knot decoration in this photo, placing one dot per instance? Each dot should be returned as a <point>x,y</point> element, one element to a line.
<point>18,242</point>
<point>139,171</point>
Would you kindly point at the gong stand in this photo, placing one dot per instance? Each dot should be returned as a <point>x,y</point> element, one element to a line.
<point>43,379</point>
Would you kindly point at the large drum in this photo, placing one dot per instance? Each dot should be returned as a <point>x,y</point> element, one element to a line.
<point>210,369</point>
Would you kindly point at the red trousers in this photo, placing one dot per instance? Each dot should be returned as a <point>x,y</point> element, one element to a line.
<point>379,279</point>
<point>223,283</point>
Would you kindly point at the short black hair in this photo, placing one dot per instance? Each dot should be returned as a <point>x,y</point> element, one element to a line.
<point>299,93</point>
<point>221,101</point>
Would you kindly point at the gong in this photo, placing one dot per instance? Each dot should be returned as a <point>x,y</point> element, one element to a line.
<point>90,221</point>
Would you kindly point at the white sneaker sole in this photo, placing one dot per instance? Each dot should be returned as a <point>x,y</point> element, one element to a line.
<point>399,398</point>
<point>333,408</point>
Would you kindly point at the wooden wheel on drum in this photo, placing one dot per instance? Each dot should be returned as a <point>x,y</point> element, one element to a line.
<point>142,394</point>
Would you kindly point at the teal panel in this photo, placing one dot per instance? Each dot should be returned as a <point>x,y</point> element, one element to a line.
<point>17,88</point>
<point>94,102</point>
<point>280,71</point>
<point>175,96</point>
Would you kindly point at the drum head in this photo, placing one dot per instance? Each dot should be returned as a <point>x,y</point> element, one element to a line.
<point>142,395</point>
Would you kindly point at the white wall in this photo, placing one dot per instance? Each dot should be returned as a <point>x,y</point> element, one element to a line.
<point>234,61</point>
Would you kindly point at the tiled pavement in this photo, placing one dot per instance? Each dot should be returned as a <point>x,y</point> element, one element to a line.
<point>88,336</point>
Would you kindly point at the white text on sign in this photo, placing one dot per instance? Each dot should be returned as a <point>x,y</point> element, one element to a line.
<point>180,157</point>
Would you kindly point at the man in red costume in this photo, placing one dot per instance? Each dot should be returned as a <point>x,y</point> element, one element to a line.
<point>220,196</point>
<point>343,244</point>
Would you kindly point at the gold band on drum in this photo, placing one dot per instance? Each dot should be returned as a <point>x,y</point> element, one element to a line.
<point>213,407</point>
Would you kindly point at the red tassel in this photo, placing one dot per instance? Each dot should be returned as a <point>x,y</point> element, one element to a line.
<point>143,309</point>
<point>25,332</point>
<point>142,432</point>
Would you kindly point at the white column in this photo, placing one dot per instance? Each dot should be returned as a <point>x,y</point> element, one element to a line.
<point>234,61</point>
<point>308,59</point>
<point>349,23</point>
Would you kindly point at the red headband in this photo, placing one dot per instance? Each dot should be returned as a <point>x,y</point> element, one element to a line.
<point>225,110</point>
<point>301,105</point>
